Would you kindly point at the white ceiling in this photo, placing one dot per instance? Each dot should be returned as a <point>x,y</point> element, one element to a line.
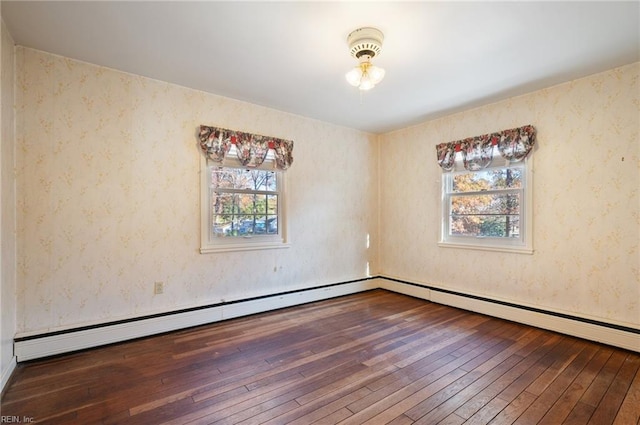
<point>439,57</point>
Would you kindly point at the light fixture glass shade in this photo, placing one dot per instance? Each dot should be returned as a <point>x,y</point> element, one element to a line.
<point>366,84</point>
<point>375,74</point>
<point>353,76</point>
<point>365,76</point>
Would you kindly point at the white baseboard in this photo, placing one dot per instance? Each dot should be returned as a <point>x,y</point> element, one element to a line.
<point>73,340</point>
<point>549,321</point>
<point>403,288</point>
<point>6,374</point>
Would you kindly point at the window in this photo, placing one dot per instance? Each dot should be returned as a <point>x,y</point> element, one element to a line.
<point>486,191</point>
<point>489,208</point>
<point>242,209</point>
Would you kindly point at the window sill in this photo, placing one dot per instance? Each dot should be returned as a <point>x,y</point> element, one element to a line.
<point>510,249</point>
<point>232,247</point>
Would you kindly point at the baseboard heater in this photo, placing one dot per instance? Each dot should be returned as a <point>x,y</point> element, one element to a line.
<point>64,341</point>
<point>68,340</point>
<point>594,330</point>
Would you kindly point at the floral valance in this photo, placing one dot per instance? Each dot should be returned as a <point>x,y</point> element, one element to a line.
<point>252,149</point>
<point>514,145</point>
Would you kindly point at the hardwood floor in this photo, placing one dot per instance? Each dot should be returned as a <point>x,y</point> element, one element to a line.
<point>370,358</point>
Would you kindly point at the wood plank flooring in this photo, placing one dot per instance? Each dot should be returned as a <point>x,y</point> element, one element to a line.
<point>370,358</point>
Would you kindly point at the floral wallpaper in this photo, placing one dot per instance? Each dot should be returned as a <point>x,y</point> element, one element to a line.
<point>586,201</point>
<point>8,203</point>
<point>109,199</point>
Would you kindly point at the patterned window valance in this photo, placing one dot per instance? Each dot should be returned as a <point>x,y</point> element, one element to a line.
<point>514,145</point>
<point>252,149</point>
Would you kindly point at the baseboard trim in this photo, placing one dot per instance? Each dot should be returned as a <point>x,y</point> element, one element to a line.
<point>6,374</point>
<point>64,341</point>
<point>606,333</point>
<point>60,342</point>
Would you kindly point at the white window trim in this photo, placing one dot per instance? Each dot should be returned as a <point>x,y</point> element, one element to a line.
<point>523,245</point>
<point>249,243</point>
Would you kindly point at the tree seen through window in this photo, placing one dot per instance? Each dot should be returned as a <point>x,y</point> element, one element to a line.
<point>244,202</point>
<point>486,203</point>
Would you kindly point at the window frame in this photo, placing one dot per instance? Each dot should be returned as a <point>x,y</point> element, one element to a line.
<point>523,244</point>
<point>210,244</point>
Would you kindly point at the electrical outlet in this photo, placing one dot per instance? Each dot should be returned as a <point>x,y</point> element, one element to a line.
<point>158,288</point>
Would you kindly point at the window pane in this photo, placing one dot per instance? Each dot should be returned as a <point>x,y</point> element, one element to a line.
<point>224,203</point>
<point>222,206</point>
<point>491,179</point>
<point>498,226</point>
<point>244,214</point>
<point>272,204</point>
<point>487,209</point>
<point>494,203</point>
<point>270,183</point>
<point>241,179</point>
<point>236,212</point>
<point>272,225</point>
<point>261,225</point>
<point>250,203</point>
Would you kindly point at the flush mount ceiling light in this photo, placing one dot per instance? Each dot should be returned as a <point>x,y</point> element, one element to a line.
<point>364,44</point>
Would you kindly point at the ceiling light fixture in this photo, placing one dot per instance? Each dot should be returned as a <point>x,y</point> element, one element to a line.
<point>364,44</point>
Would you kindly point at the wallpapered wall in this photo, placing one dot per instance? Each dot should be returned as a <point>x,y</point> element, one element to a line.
<point>8,204</point>
<point>109,201</point>
<point>586,202</point>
